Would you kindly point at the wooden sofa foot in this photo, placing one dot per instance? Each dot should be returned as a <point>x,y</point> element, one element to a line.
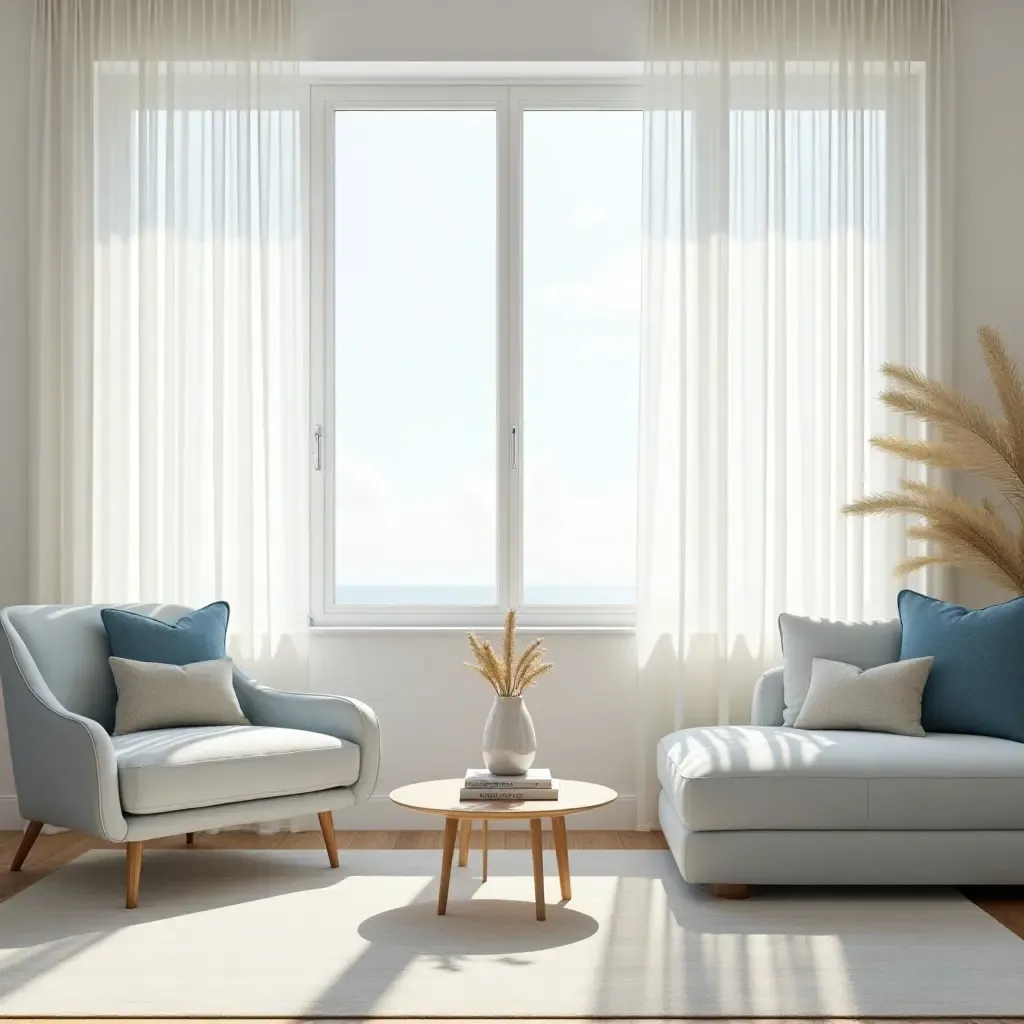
<point>133,874</point>
<point>330,841</point>
<point>190,838</point>
<point>730,891</point>
<point>32,831</point>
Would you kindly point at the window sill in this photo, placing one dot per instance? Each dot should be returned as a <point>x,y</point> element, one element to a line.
<point>355,630</point>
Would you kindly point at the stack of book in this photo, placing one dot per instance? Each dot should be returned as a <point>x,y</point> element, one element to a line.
<point>536,784</point>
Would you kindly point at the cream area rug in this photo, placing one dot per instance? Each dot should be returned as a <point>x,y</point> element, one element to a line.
<point>279,934</point>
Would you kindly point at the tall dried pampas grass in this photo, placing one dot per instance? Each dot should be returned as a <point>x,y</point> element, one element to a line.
<point>966,437</point>
<point>508,676</point>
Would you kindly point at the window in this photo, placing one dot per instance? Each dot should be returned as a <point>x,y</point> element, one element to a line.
<point>415,346</point>
<point>476,293</point>
<point>582,191</point>
<point>477,278</point>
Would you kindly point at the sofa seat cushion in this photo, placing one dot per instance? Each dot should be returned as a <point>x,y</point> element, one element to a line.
<point>729,778</point>
<point>174,769</point>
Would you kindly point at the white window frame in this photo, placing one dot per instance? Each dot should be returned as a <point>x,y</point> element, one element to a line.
<point>509,98</point>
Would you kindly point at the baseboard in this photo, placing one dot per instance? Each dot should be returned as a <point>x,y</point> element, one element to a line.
<point>380,813</point>
<point>10,819</point>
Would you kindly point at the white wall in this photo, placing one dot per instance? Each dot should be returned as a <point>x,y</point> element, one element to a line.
<point>431,709</point>
<point>988,269</point>
<point>471,30</point>
<point>432,712</point>
<point>15,21</point>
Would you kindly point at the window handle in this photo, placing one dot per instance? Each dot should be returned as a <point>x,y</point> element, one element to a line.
<point>515,449</point>
<point>318,438</point>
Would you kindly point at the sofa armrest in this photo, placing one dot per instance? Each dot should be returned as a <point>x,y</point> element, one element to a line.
<point>343,717</point>
<point>769,701</point>
<point>65,771</point>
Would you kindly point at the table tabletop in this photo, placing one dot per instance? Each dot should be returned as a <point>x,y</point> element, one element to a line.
<point>441,796</point>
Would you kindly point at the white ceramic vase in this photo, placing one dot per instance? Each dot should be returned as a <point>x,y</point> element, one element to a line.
<point>510,744</point>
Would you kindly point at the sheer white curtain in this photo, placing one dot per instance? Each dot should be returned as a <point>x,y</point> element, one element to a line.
<point>169,330</point>
<point>796,157</point>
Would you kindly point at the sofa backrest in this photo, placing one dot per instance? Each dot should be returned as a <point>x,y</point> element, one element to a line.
<point>69,647</point>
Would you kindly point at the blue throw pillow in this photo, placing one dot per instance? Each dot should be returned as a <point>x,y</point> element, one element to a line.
<point>198,636</point>
<point>977,680</point>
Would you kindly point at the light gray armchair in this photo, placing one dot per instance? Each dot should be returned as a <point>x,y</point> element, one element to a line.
<point>302,752</point>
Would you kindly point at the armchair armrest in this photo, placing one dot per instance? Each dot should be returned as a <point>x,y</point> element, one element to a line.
<point>769,701</point>
<point>65,771</point>
<point>343,717</point>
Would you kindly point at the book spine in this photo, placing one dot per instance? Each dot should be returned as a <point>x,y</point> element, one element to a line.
<point>508,794</point>
<point>483,784</point>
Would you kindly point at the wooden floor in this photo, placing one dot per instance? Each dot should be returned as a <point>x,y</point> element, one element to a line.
<point>1005,904</point>
<point>51,852</point>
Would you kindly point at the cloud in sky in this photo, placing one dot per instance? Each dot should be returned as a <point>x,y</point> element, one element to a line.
<point>612,290</point>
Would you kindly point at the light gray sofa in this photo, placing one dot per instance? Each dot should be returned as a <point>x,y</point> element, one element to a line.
<point>764,804</point>
<point>302,753</point>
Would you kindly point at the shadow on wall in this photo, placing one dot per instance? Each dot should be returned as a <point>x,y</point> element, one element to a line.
<point>281,662</point>
<point>708,686</point>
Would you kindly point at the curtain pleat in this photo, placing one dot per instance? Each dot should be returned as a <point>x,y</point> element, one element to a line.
<point>795,215</point>
<point>169,328</point>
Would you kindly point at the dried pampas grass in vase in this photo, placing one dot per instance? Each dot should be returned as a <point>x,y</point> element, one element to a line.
<point>510,743</point>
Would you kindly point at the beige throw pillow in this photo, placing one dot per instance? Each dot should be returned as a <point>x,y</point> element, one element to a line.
<point>155,696</point>
<point>882,699</point>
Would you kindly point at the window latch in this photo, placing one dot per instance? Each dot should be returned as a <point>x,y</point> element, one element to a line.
<point>318,439</point>
<point>515,449</point>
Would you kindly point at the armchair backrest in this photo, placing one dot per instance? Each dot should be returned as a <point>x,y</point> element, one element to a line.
<point>69,646</point>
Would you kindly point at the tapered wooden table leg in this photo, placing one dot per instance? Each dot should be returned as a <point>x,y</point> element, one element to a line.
<point>562,855</point>
<point>537,842</point>
<point>32,831</point>
<point>133,874</point>
<point>441,797</point>
<point>483,844</point>
<point>451,827</point>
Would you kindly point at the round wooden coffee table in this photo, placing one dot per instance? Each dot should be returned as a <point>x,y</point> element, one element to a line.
<point>442,797</point>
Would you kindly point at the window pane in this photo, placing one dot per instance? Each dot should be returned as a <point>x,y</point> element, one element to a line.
<point>415,335</point>
<point>582,194</point>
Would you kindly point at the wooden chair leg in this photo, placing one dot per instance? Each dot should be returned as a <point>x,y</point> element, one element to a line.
<point>133,874</point>
<point>330,841</point>
<point>27,840</point>
<point>730,891</point>
<point>465,830</point>
<point>190,838</point>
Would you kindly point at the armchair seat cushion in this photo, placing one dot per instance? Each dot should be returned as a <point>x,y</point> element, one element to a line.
<point>177,769</point>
